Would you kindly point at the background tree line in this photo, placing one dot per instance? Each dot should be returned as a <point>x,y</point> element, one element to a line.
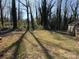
<point>43,10</point>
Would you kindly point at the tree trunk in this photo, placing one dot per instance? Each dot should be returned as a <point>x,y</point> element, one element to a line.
<point>59,2</point>
<point>14,14</point>
<point>1,13</point>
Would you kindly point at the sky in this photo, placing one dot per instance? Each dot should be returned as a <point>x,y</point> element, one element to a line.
<point>32,2</point>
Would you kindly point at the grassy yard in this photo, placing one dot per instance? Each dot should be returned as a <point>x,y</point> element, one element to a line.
<point>42,44</point>
<point>64,46</point>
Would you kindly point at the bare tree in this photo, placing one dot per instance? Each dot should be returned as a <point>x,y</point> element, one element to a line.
<point>59,2</point>
<point>65,20</point>
<point>75,10</point>
<point>19,10</point>
<point>32,19</point>
<point>36,8</point>
<point>14,14</point>
<point>45,12</point>
<point>1,13</point>
<point>27,6</point>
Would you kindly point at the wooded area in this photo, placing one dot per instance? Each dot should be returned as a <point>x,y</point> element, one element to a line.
<point>56,20</point>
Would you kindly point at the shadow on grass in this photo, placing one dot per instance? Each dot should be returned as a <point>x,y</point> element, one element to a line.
<point>61,32</point>
<point>58,46</point>
<point>5,31</point>
<point>17,44</point>
<point>64,34</point>
<point>31,43</point>
<point>48,56</point>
